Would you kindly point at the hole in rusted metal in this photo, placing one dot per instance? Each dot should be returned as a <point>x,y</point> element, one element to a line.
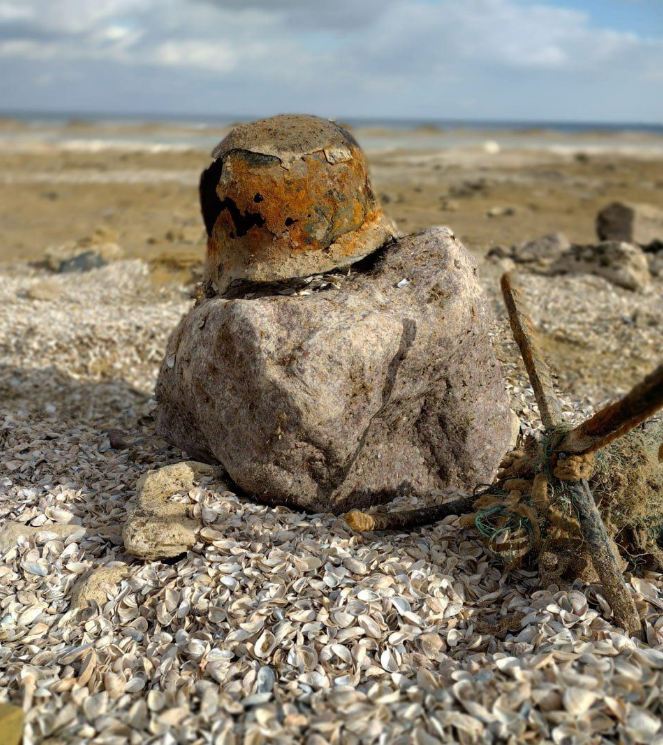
<point>243,221</point>
<point>210,204</point>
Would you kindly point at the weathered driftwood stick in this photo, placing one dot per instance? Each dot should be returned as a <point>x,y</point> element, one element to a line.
<point>407,519</point>
<point>591,524</point>
<point>604,559</point>
<point>616,419</point>
<point>526,338</point>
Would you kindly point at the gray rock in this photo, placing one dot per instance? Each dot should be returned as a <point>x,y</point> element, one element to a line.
<point>348,396</point>
<point>11,532</point>
<point>542,251</point>
<point>538,253</point>
<point>96,585</point>
<point>74,257</point>
<point>622,264</point>
<point>47,290</point>
<point>501,212</point>
<point>159,528</point>
<point>656,263</point>
<point>632,223</point>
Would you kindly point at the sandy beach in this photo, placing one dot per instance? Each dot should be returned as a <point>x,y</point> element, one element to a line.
<point>140,182</point>
<point>279,626</point>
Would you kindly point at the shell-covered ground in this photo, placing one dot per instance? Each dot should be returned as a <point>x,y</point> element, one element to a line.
<point>280,626</point>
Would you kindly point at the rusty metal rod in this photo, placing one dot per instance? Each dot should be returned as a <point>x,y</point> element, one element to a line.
<point>618,418</point>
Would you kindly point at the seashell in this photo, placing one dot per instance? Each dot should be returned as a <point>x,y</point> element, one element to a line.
<point>96,705</point>
<point>87,667</point>
<point>265,680</point>
<point>650,657</point>
<point>642,725</point>
<point>369,626</point>
<point>431,644</point>
<point>401,605</point>
<point>355,566</point>
<point>59,514</point>
<point>342,619</point>
<point>30,615</point>
<point>265,644</point>
<point>577,701</point>
<point>34,567</point>
<point>114,685</point>
<point>388,661</point>
<point>155,700</point>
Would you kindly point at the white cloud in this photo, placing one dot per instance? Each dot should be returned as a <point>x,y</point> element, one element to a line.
<point>194,53</point>
<point>339,56</point>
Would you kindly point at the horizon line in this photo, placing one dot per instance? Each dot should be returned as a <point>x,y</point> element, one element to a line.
<point>164,116</point>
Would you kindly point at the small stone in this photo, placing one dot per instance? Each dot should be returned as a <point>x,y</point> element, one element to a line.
<point>495,253</point>
<point>501,212</point>
<point>155,486</point>
<point>656,263</point>
<point>44,290</point>
<point>11,724</point>
<point>159,528</point>
<point>449,205</point>
<point>632,223</point>
<point>543,250</point>
<point>623,264</point>
<point>149,536</point>
<point>96,585</point>
<point>11,532</point>
<point>81,256</point>
<point>119,440</point>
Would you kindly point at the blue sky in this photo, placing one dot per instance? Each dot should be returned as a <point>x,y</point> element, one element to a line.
<point>595,60</point>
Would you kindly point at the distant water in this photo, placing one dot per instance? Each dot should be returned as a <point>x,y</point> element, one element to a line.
<point>370,123</point>
<point>83,131</point>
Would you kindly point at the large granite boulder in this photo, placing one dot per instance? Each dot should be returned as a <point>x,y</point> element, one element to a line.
<point>382,383</point>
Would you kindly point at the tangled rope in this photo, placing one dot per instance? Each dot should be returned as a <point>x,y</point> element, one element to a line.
<point>531,509</point>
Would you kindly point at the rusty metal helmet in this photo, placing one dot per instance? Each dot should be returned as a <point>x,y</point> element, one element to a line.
<point>288,197</point>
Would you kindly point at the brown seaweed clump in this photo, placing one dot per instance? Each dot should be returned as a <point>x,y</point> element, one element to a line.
<point>628,488</point>
<point>533,518</point>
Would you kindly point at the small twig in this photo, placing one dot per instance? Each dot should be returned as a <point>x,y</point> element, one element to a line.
<point>526,338</point>
<point>604,559</point>
<point>407,519</point>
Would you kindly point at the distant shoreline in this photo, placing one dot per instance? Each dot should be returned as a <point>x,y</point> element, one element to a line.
<point>77,118</point>
<point>76,134</point>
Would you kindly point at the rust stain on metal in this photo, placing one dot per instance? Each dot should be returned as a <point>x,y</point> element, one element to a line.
<point>288,197</point>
